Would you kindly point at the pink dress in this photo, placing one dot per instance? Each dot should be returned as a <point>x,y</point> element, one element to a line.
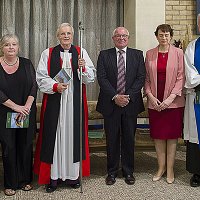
<point>167,124</point>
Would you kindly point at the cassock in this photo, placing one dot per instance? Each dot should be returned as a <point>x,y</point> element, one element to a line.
<point>192,107</point>
<point>57,151</point>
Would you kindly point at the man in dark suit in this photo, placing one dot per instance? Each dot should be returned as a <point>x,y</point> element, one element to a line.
<point>121,76</point>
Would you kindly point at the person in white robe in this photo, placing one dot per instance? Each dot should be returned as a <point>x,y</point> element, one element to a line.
<point>192,109</point>
<point>62,163</point>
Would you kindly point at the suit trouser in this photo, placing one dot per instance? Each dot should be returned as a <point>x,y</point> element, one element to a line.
<point>120,139</point>
<point>17,159</point>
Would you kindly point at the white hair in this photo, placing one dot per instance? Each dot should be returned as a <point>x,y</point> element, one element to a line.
<point>120,27</point>
<point>64,25</point>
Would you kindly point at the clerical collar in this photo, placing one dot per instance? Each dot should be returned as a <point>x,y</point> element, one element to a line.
<point>62,50</point>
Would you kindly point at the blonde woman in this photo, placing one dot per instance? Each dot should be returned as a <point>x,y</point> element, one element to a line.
<point>17,94</point>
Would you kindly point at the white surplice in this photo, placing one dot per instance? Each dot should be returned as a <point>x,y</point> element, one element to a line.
<point>63,166</point>
<point>192,80</point>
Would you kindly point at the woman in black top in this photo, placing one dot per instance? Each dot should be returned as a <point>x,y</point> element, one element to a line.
<point>18,90</point>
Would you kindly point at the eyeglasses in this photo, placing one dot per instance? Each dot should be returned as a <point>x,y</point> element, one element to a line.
<point>123,36</point>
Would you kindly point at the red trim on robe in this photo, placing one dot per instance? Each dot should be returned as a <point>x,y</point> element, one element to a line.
<point>83,69</point>
<point>86,162</point>
<point>42,169</point>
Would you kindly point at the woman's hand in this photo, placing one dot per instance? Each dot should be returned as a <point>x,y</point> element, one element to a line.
<point>154,101</point>
<point>166,103</point>
<point>20,117</point>
<point>21,109</point>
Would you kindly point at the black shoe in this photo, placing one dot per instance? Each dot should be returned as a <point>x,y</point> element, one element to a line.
<point>129,179</point>
<point>50,188</point>
<point>76,185</point>
<point>195,180</point>
<point>110,179</point>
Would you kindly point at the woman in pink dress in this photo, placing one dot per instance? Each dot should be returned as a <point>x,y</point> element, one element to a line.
<point>163,86</point>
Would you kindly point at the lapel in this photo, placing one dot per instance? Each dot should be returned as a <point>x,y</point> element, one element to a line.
<point>113,58</point>
<point>153,58</point>
<point>171,64</point>
<point>154,64</point>
<point>129,64</point>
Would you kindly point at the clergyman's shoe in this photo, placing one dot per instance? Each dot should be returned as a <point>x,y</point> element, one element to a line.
<point>195,180</point>
<point>76,185</point>
<point>110,179</point>
<point>129,179</point>
<point>50,188</point>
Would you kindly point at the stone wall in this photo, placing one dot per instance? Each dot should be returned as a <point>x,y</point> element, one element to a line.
<point>181,15</point>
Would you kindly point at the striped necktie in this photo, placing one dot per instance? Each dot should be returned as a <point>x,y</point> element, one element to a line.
<point>121,74</point>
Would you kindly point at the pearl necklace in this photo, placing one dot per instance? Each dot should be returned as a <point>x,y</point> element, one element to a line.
<point>11,64</point>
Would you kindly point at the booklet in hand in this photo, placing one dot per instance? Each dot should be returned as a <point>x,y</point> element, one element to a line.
<point>62,76</point>
<point>13,121</point>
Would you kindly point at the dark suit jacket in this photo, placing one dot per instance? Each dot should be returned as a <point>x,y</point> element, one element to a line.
<point>107,79</point>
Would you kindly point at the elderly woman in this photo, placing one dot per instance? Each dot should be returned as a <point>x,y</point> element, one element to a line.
<point>17,96</point>
<point>163,87</point>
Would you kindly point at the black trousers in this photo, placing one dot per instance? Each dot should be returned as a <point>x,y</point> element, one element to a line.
<point>17,159</point>
<point>193,158</point>
<point>120,139</point>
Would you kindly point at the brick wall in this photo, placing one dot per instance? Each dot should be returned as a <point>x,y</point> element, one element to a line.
<point>180,14</point>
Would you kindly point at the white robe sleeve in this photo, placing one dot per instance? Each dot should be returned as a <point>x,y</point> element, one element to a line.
<point>44,81</point>
<point>90,72</point>
<point>192,75</point>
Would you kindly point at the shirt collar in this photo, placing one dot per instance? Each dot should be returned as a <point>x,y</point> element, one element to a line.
<point>124,49</point>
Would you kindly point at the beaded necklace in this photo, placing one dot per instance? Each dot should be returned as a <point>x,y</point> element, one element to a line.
<point>11,64</point>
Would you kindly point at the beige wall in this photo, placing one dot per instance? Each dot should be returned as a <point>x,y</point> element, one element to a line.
<point>142,16</point>
<point>129,20</point>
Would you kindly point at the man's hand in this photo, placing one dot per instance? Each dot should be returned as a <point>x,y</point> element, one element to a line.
<point>81,63</point>
<point>122,100</point>
<point>62,87</point>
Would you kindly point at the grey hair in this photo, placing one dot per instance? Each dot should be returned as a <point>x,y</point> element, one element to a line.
<point>120,27</point>
<point>5,39</point>
<point>64,25</point>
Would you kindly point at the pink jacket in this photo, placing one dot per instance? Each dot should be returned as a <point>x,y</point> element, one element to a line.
<point>175,75</point>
